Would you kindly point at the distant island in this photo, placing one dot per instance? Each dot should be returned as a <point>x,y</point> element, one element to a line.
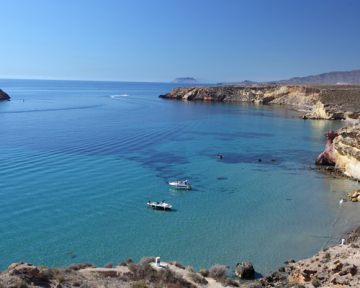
<point>188,80</point>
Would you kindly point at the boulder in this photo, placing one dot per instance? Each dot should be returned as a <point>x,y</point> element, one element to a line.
<point>24,270</point>
<point>4,96</point>
<point>245,270</point>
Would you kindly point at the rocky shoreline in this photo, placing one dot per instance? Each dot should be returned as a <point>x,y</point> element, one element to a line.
<point>340,102</point>
<point>336,266</point>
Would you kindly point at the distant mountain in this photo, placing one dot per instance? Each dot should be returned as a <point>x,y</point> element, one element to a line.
<point>332,78</point>
<point>188,80</point>
<point>336,77</point>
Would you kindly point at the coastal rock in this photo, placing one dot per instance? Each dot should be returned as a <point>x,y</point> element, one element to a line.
<point>343,151</point>
<point>4,96</point>
<point>245,270</point>
<point>318,101</point>
<point>326,158</point>
<point>24,270</point>
<point>346,151</point>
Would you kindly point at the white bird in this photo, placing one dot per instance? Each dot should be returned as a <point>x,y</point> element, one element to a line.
<point>341,201</point>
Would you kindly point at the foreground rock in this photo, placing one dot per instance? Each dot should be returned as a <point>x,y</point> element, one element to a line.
<point>343,151</point>
<point>337,266</point>
<point>245,270</point>
<point>4,96</point>
<point>128,274</point>
<point>320,102</point>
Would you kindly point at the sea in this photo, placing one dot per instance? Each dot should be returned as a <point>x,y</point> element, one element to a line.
<point>80,159</point>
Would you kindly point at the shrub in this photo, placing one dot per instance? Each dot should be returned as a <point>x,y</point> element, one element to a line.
<point>81,266</point>
<point>179,265</point>
<point>146,260</point>
<point>139,284</point>
<point>197,278</point>
<point>190,269</point>
<point>204,272</point>
<point>232,283</point>
<point>316,282</point>
<point>218,271</point>
<point>109,265</point>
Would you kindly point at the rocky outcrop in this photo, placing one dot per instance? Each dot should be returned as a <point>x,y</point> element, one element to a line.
<point>346,151</point>
<point>319,102</point>
<point>290,95</point>
<point>245,270</point>
<point>335,266</point>
<point>4,96</point>
<point>326,158</point>
<point>343,151</point>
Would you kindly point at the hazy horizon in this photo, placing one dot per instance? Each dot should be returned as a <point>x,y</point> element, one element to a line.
<point>157,41</point>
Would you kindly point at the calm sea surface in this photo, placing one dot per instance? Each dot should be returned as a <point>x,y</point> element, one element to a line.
<point>79,160</point>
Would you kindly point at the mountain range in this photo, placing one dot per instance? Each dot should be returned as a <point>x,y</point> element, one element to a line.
<point>335,77</point>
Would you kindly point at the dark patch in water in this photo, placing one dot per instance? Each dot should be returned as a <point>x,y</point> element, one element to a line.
<point>233,135</point>
<point>221,178</point>
<point>71,255</point>
<point>234,158</point>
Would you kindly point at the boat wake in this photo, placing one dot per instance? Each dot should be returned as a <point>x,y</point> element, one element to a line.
<point>117,96</point>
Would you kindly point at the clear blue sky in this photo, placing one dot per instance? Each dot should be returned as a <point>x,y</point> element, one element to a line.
<point>158,40</point>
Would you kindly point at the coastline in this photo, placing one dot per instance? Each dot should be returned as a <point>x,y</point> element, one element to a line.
<point>333,266</point>
<point>106,270</point>
<point>329,102</point>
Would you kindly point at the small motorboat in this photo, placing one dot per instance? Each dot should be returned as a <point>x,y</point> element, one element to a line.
<point>159,205</point>
<point>180,184</point>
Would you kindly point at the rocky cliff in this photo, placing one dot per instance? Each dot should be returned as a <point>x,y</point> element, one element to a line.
<point>319,102</point>
<point>343,151</point>
<point>4,96</point>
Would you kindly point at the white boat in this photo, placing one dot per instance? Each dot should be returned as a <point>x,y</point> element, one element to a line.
<point>180,184</point>
<point>159,205</point>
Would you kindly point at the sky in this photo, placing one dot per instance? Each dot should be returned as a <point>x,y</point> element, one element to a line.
<point>159,40</point>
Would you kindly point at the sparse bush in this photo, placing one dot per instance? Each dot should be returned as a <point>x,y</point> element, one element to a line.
<point>109,265</point>
<point>327,256</point>
<point>189,269</point>
<point>139,284</point>
<point>316,282</point>
<point>16,283</point>
<point>77,283</point>
<point>146,260</point>
<point>197,278</point>
<point>81,266</point>
<point>231,282</point>
<point>58,275</point>
<point>204,272</point>
<point>218,271</point>
<point>179,265</point>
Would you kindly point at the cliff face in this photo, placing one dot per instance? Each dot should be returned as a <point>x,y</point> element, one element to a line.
<point>320,102</point>
<point>343,151</point>
<point>291,95</point>
<point>4,96</point>
<point>346,151</point>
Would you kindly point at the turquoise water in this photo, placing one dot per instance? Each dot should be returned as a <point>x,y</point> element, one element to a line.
<point>79,160</point>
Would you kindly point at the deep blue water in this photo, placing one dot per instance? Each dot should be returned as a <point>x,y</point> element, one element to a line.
<point>79,160</point>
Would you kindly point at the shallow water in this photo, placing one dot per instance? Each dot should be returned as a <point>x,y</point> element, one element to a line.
<point>80,159</point>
